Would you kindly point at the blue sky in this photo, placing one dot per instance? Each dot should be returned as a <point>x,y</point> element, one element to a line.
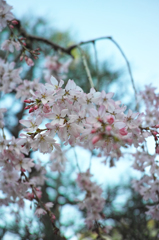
<point>133,24</point>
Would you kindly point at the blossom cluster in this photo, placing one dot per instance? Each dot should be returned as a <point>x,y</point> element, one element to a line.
<point>9,76</point>
<point>150,98</point>
<point>5,14</point>
<point>23,89</point>
<point>15,166</point>
<point>92,120</point>
<point>9,45</point>
<point>12,162</point>
<point>14,181</point>
<point>146,163</point>
<point>2,111</point>
<point>93,201</point>
<point>54,67</point>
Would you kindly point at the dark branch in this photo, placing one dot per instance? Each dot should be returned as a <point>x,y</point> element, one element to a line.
<point>69,49</point>
<point>41,39</point>
<point>52,44</point>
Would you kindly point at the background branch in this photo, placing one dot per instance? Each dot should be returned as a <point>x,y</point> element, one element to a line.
<point>69,49</point>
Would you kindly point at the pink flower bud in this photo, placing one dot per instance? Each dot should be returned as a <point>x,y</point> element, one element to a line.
<point>99,155</point>
<point>27,101</point>
<point>108,128</point>
<point>21,58</point>
<point>110,119</point>
<point>39,194</point>
<point>100,120</point>
<point>157,126</point>
<point>94,130</point>
<point>22,38</point>
<point>36,107</point>
<point>129,140</point>
<point>123,131</point>
<point>24,43</point>
<point>15,22</point>
<point>23,170</point>
<point>96,139</point>
<point>53,218</point>
<point>11,26</point>
<point>27,107</point>
<point>154,133</point>
<point>30,196</point>
<point>30,62</point>
<point>157,149</point>
<point>31,110</point>
<point>46,108</point>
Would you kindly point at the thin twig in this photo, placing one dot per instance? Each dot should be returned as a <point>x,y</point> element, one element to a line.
<point>77,160</point>
<point>86,68</point>
<point>128,65</point>
<point>69,49</point>
<point>96,63</point>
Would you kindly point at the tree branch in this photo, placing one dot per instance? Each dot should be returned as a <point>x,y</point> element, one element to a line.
<point>52,44</point>
<point>41,39</point>
<point>69,49</point>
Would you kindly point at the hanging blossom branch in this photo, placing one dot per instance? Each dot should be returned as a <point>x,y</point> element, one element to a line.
<point>42,208</point>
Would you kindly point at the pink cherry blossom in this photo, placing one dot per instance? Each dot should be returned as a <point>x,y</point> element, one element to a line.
<point>29,61</point>
<point>46,108</point>
<point>9,45</point>
<point>5,14</point>
<point>123,131</point>
<point>40,211</point>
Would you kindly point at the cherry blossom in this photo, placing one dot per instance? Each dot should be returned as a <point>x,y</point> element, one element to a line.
<point>5,14</point>
<point>31,124</point>
<point>2,111</point>
<point>40,211</point>
<point>9,76</point>
<point>58,161</point>
<point>9,45</point>
<point>93,202</point>
<point>94,121</point>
